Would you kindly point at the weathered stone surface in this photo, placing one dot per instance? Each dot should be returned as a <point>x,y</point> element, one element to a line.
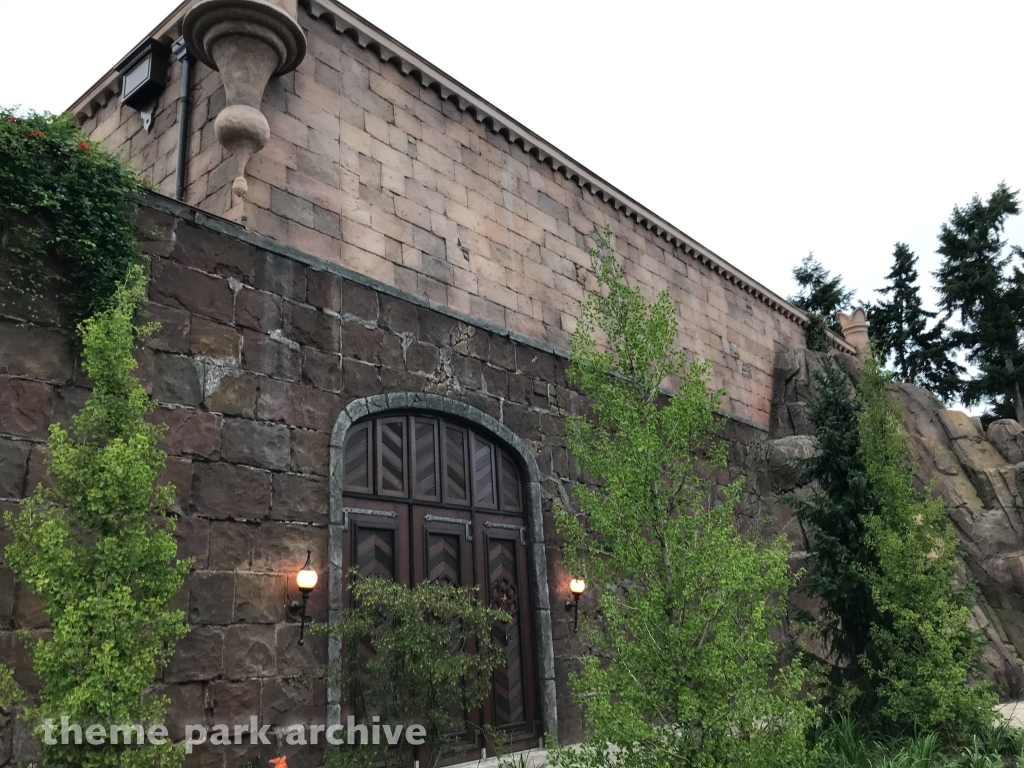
<point>25,407</point>
<point>323,290</point>
<point>35,353</point>
<point>215,340</point>
<point>173,333</point>
<point>278,275</point>
<point>174,285</point>
<point>230,545</point>
<point>256,444</point>
<point>280,358</point>
<point>322,370</point>
<point>189,432</point>
<point>259,598</point>
<point>178,473</point>
<point>359,301</point>
<point>216,254</point>
<point>785,457</point>
<point>13,467</point>
<point>312,327</point>
<point>177,380</point>
<point>1008,437</point>
<point>234,396</point>
<point>297,405</point>
<point>187,706</point>
<point>280,545</point>
<point>197,656</point>
<point>310,453</point>
<point>250,651</point>
<point>299,498</point>
<point>193,536</point>
<point>258,310</point>
<point>211,597</point>
<point>223,490</point>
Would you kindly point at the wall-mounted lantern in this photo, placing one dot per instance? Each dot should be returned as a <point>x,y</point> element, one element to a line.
<point>144,77</point>
<point>576,587</point>
<point>305,581</point>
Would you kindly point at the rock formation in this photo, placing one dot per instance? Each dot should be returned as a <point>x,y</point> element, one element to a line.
<point>979,473</point>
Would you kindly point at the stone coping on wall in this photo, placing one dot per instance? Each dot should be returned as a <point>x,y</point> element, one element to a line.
<point>232,229</point>
<point>344,21</point>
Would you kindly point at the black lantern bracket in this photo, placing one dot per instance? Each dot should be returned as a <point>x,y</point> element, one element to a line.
<point>144,77</point>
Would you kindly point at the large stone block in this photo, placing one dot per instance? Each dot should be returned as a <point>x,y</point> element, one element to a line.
<point>211,597</point>
<point>215,340</point>
<point>359,301</point>
<point>298,405</point>
<point>231,545</point>
<point>281,276</point>
<point>25,408</point>
<point>189,432</point>
<point>213,253</point>
<point>257,444</point>
<point>177,286</point>
<point>35,353</point>
<point>193,536</point>
<point>310,451</point>
<point>250,651</point>
<point>282,546</point>
<point>300,498</point>
<point>172,335</point>
<point>233,703</point>
<point>1008,436</point>
<point>312,327</point>
<point>785,460</point>
<point>234,396</point>
<point>259,598</point>
<point>222,490</point>
<point>176,380</point>
<point>322,370</point>
<point>197,656</point>
<point>13,467</point>
<point>323,290</point>
<point>273,357</point>
<point>259,310</point>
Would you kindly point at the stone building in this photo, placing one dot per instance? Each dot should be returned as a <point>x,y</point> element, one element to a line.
<point>366,276</point>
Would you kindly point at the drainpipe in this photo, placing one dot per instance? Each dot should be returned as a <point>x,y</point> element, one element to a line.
<point>184,113</point>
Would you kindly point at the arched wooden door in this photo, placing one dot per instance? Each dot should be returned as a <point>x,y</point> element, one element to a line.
<point>431,499</point>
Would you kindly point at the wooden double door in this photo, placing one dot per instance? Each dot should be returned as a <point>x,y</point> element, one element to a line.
<point>430,499</point>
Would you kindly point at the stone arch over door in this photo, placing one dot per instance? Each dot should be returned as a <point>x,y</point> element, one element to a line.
<point>537,560</point>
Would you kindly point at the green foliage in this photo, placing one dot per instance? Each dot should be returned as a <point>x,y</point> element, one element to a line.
<point>840,560</point>
<point>925,647</point>
<point>984,288</point>
<point>820,293</point>
<point>899,329</point>
<point>64,198</point>
<point>99,548</point>
<point>421,655</point>
<point>681,670</point>
<point>10,693</point>
<point>848,743</point>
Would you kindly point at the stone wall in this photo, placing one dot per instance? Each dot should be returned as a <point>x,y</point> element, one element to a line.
<point>374,166</point>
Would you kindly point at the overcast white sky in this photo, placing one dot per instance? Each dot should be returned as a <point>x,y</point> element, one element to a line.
<point>763,130</point>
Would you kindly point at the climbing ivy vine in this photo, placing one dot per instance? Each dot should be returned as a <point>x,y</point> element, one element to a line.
<point>64,201</point>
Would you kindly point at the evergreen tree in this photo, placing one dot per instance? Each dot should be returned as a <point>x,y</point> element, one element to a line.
<point>682,674</point>
<point>833,517</point>
<point>899,330</point>
<point>925,647</point>
<point>984,289</point>
<point>820,293</point>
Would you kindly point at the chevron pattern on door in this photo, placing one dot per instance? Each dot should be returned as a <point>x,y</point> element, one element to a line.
<point>444,558</point>
<point>509,703</point>
<point>375,553</point>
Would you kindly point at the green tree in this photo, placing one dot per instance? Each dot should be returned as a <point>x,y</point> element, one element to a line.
<point>834,516</point>
<point>821,295</point>
<point>681,669</point>
<point>899,329</point>
<point>925,647</point>
<point>422,655</point>
<point>100,549</point>
<point>983,287</point>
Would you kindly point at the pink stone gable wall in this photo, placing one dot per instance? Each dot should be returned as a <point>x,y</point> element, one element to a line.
<point>369,169</point>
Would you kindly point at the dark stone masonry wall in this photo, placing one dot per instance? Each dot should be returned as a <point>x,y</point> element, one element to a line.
<point>260,348</point>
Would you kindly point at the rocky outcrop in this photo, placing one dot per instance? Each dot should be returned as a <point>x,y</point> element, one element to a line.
<point>979,473</point>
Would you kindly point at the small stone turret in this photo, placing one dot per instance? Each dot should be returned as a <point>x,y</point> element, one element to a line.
<point>855,330</point>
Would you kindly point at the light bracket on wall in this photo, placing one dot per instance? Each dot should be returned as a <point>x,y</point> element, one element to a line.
<point>144,77</point>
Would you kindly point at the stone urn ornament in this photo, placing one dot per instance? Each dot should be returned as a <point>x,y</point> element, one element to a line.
<point>248,42</point>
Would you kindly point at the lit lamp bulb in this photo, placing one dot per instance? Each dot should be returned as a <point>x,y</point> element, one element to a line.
<point>576,587</point>
<point>305,580</point>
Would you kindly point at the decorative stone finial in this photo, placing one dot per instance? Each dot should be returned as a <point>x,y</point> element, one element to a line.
<point>248,42</point>
<point>855,330</point>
